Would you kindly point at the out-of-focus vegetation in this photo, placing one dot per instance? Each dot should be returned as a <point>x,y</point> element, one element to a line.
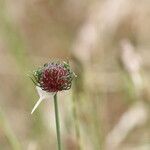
<point>107,43</point>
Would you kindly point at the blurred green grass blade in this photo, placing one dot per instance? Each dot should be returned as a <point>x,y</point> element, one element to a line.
<point>12,36</point>
<point>17,48</point>
<point>15,144</point>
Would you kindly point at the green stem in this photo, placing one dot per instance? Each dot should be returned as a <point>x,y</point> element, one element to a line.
<point>57,122</point>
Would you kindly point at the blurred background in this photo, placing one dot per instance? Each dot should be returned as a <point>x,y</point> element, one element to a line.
<point>108,45</point>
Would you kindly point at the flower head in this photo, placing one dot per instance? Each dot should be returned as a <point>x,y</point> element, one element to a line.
<point>52,78</point>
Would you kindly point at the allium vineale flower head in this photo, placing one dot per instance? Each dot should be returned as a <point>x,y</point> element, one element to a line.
<point>54,77</point>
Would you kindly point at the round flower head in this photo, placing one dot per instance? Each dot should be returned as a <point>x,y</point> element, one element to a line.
<point>52,78</point>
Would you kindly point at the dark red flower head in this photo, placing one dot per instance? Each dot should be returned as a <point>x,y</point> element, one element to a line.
<point>54,77</point>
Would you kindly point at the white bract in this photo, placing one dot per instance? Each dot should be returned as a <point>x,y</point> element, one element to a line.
<point>43,96</point>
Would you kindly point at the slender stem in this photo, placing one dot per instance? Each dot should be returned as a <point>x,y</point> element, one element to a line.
<point>57,122</point>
